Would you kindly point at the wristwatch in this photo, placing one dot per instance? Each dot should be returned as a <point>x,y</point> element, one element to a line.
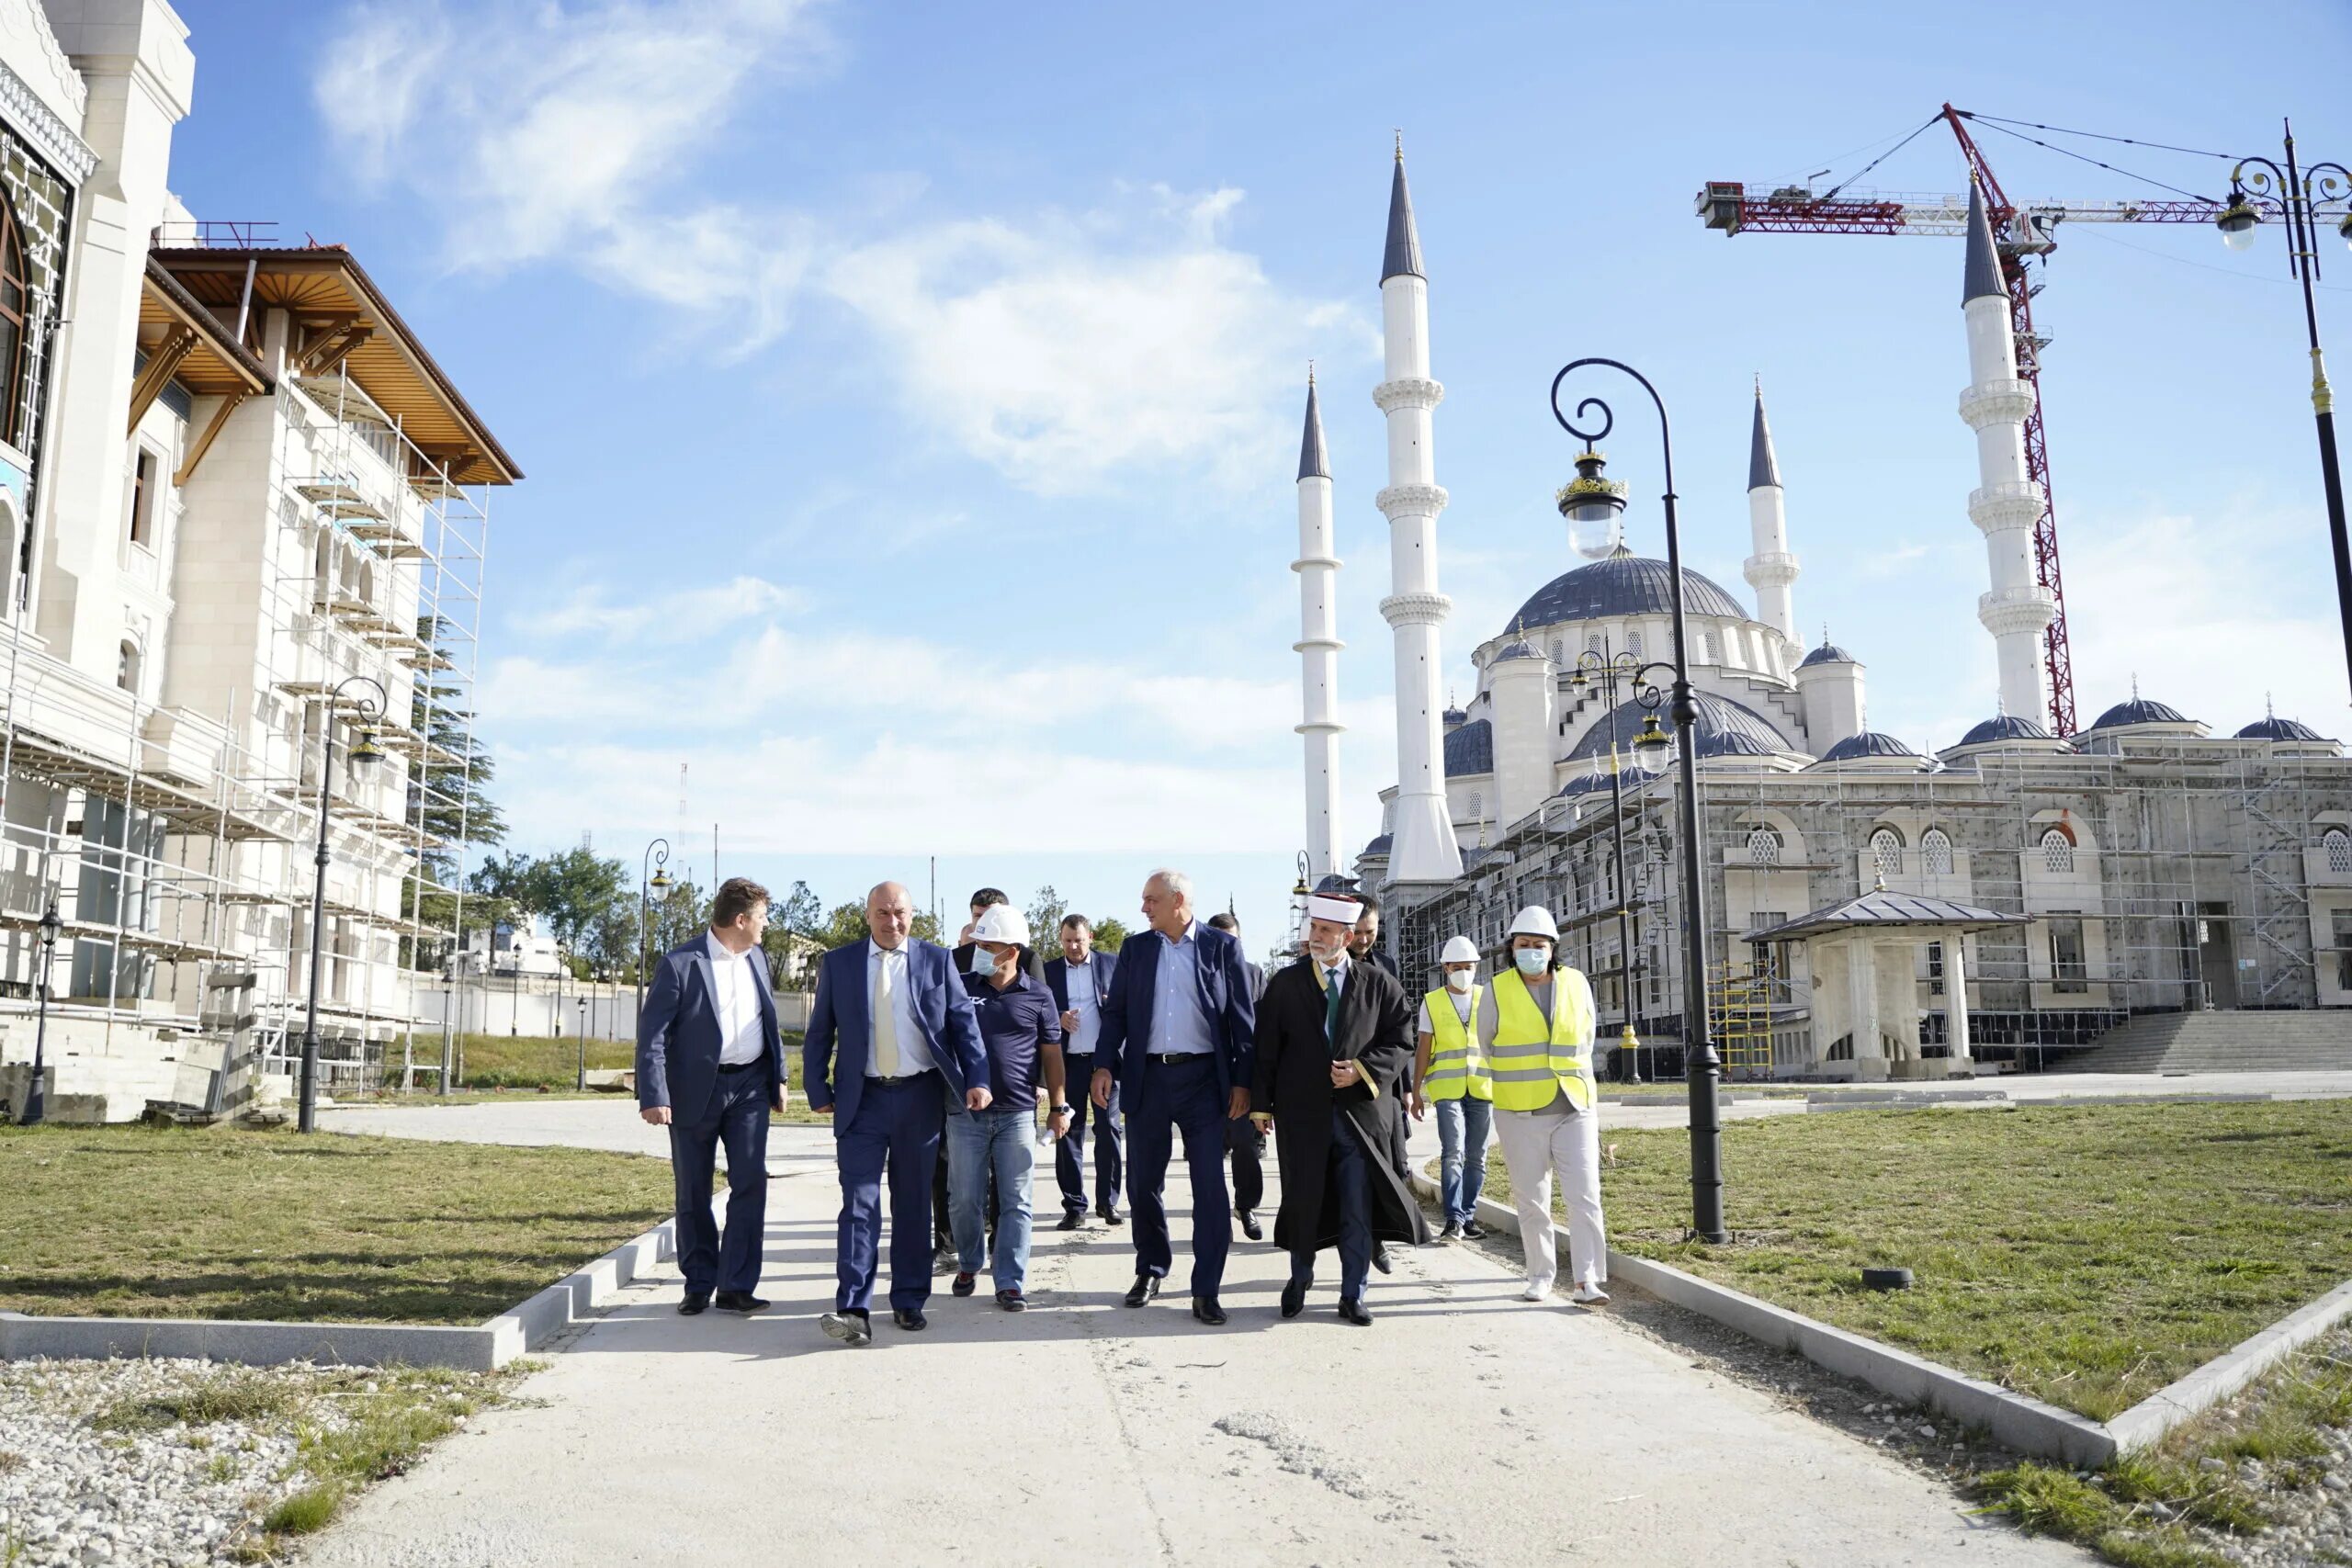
<point>1061,1110</point>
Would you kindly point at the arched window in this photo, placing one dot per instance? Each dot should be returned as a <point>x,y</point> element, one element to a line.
<point>1559,651</point>
<point>126,667</point>
<point>1763,846</point>
<point>1477,806</point>
<point>2057,851</point>
<point>16,303</point>
<point>1935,851</point>
<point>366,583</point>
<point>323,571</point>
<point>2338,845</point>
<point>1886,850</point>
<point>1710,649</point>
<point>1592,643</point>
<point>1633,644</point>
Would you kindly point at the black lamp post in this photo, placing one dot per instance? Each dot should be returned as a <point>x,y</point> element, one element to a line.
<point>581,1085</point>
<point>36,1100</point>
<point>1610,670</point>
<point>1701,1067</point>
<point>2296,194</point>
<point>362,754</point>
<point>657,855</point>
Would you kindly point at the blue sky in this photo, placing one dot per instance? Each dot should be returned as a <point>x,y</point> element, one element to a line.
<point>909,395</point>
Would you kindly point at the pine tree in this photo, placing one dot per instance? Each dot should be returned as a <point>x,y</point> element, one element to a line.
<point>448,793</point>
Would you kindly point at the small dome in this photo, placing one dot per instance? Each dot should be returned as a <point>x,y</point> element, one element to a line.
<point>1379,846</point>
<point>2139,710</point>
<point>1624,584</point>
<point>1456,717</point>
<point>2273,727</point>
<point>1827,653</point>
<point>1515,649</point>
<point>2007,726</point>
<point>1868,743</point>
<point>1719,717</point>
<point>1470,750</point>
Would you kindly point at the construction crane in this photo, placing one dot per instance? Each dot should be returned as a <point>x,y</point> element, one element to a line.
<point>2020,233</point>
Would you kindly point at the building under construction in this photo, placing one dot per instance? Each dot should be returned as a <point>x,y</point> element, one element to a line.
<point>245,513</point>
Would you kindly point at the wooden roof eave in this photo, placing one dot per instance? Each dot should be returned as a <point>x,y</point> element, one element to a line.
<point>217,363</point>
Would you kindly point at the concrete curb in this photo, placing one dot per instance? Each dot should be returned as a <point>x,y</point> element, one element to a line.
<point>479,1348</point>
<point>2225,1374</point>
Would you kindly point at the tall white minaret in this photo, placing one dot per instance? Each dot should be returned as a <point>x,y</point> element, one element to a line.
<point>1319,644</point>
<point>2017,610</point>
<point>1771,570</point>
<point>1424,848</point>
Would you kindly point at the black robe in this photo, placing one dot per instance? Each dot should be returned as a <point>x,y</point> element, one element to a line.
<point>1293,1084</point>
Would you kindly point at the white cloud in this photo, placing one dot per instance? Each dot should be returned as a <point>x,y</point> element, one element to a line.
<point>684,616</point>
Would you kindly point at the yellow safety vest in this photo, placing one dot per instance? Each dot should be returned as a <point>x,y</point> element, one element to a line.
<point>1528,1060</point>
<point>1455,1066</point>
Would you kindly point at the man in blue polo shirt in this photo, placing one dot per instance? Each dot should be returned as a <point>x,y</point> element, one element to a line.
<point>1022,1030</point>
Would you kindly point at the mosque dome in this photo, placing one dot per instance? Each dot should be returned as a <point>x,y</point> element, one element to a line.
<point>1454,718</point>
<point>1720,720</point>
<point>1515,649</point>
<point>2273,727</point>
<point>1585,783</point>
<point>2007,726</point>
<point>1624,584</point>
<point>1470,748</point>
<point>1379,846</point>
<point>1868,743</point>
<point>2139,710</point>
<point>1827,653</point>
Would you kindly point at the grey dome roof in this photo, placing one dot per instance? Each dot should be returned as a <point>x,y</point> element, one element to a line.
<point>2007,726</point>
<point>1624,584</point>
<point>2273,727</point>
<point>2139,710</point>
<point>1379,846</point>
<point>1585,783</point>
<point>1471,748</point>
<point>1454,716</point>
<point>1719,718</point>
<point>1732,743</point>
<point>1515,649</point>
<point>1827,653</point>
<point>1868,743</point>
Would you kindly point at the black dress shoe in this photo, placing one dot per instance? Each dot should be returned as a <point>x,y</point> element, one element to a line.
<point>695,1301</point>
<point>1250,1227</point>
<point>1012,1301</point>
<point>1070,1220</point>
<point>910,1318</point>
<point>1353,1311</point>
<point>1294,1298</point>
<point>1110,1213</point>
<point>1380,1256</point>
<point>1207,1311</point>
<point>965,1284</point>
<point>1145,1287</point>
<point>739,1300</point>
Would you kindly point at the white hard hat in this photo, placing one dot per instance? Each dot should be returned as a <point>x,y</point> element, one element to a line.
<point>1535,920</point>
<point>1002,923</point>
<point>1459,950</point>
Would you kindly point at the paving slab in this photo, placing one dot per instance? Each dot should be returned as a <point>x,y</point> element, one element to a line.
<point>1464,1426</point>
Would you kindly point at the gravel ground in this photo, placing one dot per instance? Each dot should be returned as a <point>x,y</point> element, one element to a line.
<point>2311,1500</point>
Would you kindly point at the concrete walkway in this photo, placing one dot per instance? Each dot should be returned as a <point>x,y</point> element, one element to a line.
<point>1464,1427</point>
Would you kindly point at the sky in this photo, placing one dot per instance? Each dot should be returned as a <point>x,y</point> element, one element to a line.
<point>909,395</point>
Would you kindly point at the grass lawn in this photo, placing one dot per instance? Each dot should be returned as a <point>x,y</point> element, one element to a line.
<point>144,1222</point>
<point>2087,1255</point>
<point>496,1065</point>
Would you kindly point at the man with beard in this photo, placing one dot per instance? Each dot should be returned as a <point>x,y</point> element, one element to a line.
<point>1333,1036</point>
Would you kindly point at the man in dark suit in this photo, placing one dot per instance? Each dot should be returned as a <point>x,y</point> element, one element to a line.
<point>1081,1010</point>
<point>710,1067</point>
<point>1175,1048</point>
<point>1245,1140</point>
<point>1363,945</point>
<point>892,1039</point>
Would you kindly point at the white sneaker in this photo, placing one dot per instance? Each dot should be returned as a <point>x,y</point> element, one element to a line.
<point>1590,1296</point>
<point>1534,1293</point>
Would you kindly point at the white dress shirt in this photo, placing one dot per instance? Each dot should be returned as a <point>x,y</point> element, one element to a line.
<point>914,1056</point>
<point>1079,979</point>
<point>736,999</point>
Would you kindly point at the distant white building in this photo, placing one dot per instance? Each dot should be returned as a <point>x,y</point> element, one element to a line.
<point>505,950</point>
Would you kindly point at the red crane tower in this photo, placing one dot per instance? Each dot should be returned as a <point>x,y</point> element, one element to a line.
<point>2019,233</point>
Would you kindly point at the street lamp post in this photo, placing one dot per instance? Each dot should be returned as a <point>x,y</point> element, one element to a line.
<point>36,1100</point>
<point>2296,193</point>
<point>657,855</point>
<point>1701,1067</point>
<point>1611,669</point>
<point>581,1085</point>
<point>363,754</point>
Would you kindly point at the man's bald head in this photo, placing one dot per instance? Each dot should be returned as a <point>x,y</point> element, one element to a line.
<point>889,915</point>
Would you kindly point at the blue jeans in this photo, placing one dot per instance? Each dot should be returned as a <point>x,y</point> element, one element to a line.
<point>1002,1140</point>
<point>1461,1172</point>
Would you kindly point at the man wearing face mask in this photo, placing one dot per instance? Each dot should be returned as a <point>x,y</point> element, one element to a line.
<point>1332,1033</point>
<point>1536,1027</point>
<point>1452,1077</point>
<point>943,1206</point>
<point>1022,1033</point>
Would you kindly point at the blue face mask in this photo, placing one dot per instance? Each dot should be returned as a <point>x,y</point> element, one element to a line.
<point>983,961</point>
<point>1533,960</point>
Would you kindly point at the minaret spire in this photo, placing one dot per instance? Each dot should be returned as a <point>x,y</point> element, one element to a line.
<point>1772,569</point>
<point>1319,643</point>
<point>1424,848</point>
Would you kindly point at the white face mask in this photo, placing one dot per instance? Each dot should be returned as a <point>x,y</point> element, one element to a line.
<point>1459,979</point>
<point>983,961</point>
<point>1533,960</point>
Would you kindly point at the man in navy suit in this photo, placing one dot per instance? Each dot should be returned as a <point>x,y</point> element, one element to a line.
<point>710,1067</point>
<point>1175,1047</point>
<point>1081,1011</point>
<point>892,1039</point>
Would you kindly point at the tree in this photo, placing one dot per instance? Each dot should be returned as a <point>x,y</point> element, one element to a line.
<point>448,797</point>
<point>682,913</point>
<point>800,913</point>
<point>1044,914</point>
<point>1109,932</point>
<point>846,924</point>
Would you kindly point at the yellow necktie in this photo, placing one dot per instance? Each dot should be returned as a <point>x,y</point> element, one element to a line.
<point>885,1022</point>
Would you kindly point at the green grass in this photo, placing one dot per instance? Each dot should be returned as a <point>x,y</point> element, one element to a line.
<point>167,1222</point>
<point>507,1064</point>
<point>2087,1255</point>
<point>236,1396</point>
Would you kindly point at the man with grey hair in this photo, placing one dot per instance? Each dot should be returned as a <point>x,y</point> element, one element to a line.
<point>1175,1048</point>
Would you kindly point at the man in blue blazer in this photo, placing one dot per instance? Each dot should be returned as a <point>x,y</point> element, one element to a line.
<point>1081,1011</point>
<point>710,1067</point>
<point>1176,1048</point>
<point>892,1042</point>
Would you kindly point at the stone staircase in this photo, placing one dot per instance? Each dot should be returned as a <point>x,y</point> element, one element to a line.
<point>2280,1042</point>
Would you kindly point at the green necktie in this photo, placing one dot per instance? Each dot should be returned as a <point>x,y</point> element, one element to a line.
<point>1331,1008</point>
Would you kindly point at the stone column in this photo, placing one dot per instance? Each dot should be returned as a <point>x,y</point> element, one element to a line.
<point>1956,999</point>
<point>1861,990</point>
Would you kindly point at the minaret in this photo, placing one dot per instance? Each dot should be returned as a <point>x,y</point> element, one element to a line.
<point>1424,848</point>
<point>1771,569</point>
<point>1319,644</point>
<point>2017,610</point>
